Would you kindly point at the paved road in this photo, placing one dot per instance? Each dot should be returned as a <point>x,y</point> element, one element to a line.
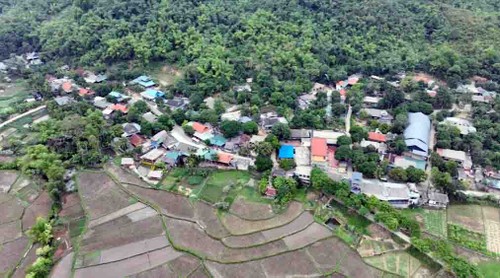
<point>348,120</point>
<point>34,110</point>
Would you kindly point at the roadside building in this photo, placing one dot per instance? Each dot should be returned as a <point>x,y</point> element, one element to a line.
<point>417,134</point>
<point>172,158</point>
<point>369,101</point>
<point>177,103</point>
<point>127,162</point>
<point>152,156</point>
<point>299,134</point>
<point>119,97</point>
<point>382,116</point>
<point>330,135</point>
<point>436,199</point>
<point>155,175</point>
<point>303,173</point>
<point>150,117</point>
<point>136,140</point>
<point>458,156</point>
<point>130,128</point>
<point>198,127</point>
<point>397,194</point>
<point>152,94</point>
<point>376,137</point>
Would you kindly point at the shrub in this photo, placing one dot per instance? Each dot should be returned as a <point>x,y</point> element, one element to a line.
<point>195,180</point>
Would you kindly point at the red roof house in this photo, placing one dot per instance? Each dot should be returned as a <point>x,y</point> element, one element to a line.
<point>376,137</point>
<point>67,87</point>
<point>352,80</point>
<point>201,128</point>
<point>85,92</point>
<point>225,158</point>
<point>319,148</point>
<point>119,107</point>
<point>136,140</point>
<point>271,191</point>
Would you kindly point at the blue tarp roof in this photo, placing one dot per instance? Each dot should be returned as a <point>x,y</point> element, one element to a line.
<point>286,152</point>
<point>357,176</point>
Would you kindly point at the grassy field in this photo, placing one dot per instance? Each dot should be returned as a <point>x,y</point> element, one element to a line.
<point>10,94</point>
<point>400,263</point>
<point>220,183</point>
<point>435,222</point>
<point>489,270</point>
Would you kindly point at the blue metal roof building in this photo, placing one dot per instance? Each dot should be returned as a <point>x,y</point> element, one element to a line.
<point>144,81</point>
<point>151,94</point>
<point>286,152</point>
<point>417,133</point>
<point>218,140</point>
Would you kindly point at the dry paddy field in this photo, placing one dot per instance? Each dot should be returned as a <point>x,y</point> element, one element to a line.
<point>132,231</point>
<point>18,212</point>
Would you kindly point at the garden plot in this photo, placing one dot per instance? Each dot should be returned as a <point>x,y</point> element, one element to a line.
<point>370,247</point>
<point>206,215</point>
<point>100,194</point>
<point>400,263</point>
<point>472,240</point>
<point>7,178</point>
<point>129,266</point>
<point>247,269</point>
<point>467,216</point>
<point>297,225</point>
<point>124,176</point>
<point>238,226</point>
<point>170,203</point>
<point>492,228</point>
<point>213,191</point>
<point>251,210</point>
<point>435,222</point>
<point>290,264</point>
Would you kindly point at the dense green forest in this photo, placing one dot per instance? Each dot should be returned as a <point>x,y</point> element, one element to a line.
<point>284,44</point>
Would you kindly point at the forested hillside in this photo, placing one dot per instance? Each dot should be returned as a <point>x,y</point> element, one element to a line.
<point>282,40</point>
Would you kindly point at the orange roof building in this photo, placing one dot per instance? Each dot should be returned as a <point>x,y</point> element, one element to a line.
<point>85,92</point>
<point>225,158</point>
<point>119,107</point>
<point>67,87</point>
<point>376,137</point>
<point>201,128</point>
<point>319,149</point>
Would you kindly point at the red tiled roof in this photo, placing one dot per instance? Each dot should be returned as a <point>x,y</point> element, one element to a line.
<point>340,83</point>
<point>119,107</point>
<point>225,158</point>
<point>85,92</point>
<point>199,127</point>
<point>67,87</point>
<point>352,80</point>
<point>318,147</point>
<point>271,191</point>
<point>343,92</point>
<point>136,140</point>
<point>377,137</point>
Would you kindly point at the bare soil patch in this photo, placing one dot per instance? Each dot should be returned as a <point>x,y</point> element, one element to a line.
<point>238,226</point>
<point>308,236</point>
<point>130,265</point>
<point>207,216</point>
<point>184,265</point>
<point>251,210</point>
<point>248,269</point>
<point>467,216</point>
<point>352,265</point>
<point>7,178</point>
<point>10,231</point>
<point>327,253</point>
<point>100,194</point>
<point>63,268</point>
<point>296,263</point>
<point>491,213</point>
<point>11,253</point>
<point>39,208</point>
<point>26,263</point>
<point>124,176</point>
<point>200,272</point>
<point>71,207</point>
<point>378,232</point>
<point>119,232</point>
<point>11,210</point>
<point>173,204</point>
<point>157,272</point>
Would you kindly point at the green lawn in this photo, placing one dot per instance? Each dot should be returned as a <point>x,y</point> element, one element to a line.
<point>233,181</point>
<point>490,270</point>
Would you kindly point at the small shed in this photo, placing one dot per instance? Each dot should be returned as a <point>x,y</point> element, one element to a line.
<point>286,152</point>
<point>155,175</point>
<point>127,162</point>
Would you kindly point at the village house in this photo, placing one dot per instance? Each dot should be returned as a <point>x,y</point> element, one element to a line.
<point>177,103</point>
<point>377,137</point>
<point>463,125</point>
<point>101,102</point>
<point>130,128</point>
<point>397,194</point>
<point>458,156</point>
<point>417,134</point>
<point>136,140</point>
<point>303,173</point>
<point>172,158</point>
<point>243,88</point>
<point>118,107</point>
<point>143,81</point>
<point>435,199</point>
<point>299,134</point>
<point>33,58</point>
<point>381,116</point>
<point>155,175</point>
<point>152,94</point>
<point>286,152</point>
<point>304,101</point>
<point>65,100</point>
<point>269,120</point>
<point>235,143</point>
<point>369,101</point>
<point>119,97</point>
<point>330,135</point>
<point>319,150</point>
<point>231,116</point>
<point>379,146</point>
<point>152,156</point>
<point>92,78</point>
<point>85,92</point>
<point>405,162</point>
<point>217,140</point>
<point>150,117</point>
<point>127,162</point>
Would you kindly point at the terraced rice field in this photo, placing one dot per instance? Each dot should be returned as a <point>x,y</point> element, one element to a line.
<point>165,235</point>
<point>20,204</point>
<point>399,263</point>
